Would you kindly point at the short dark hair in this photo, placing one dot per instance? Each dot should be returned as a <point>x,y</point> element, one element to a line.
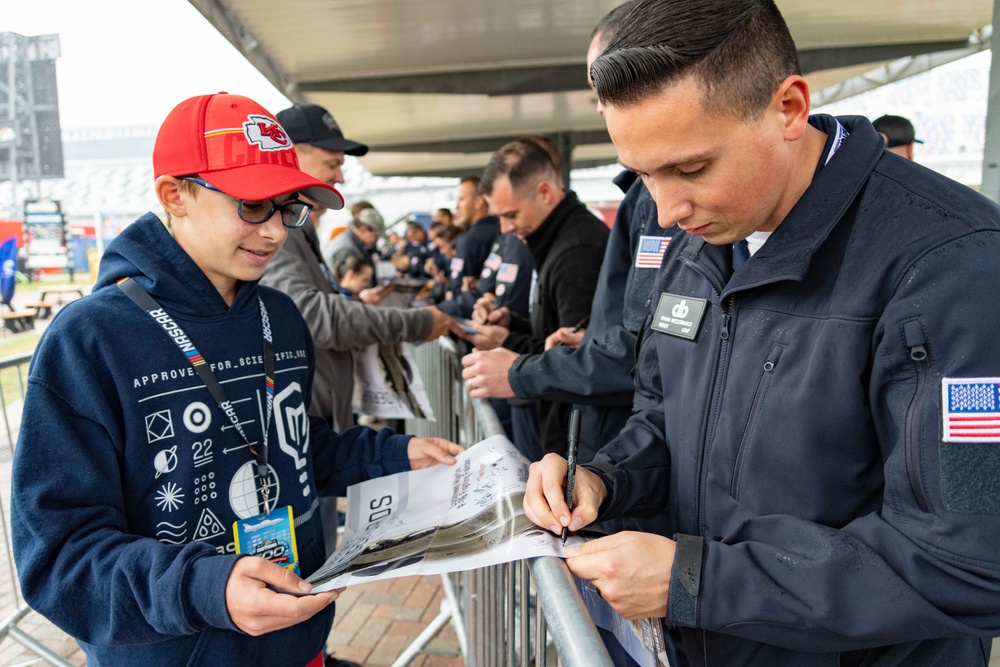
<point>523,161</point>
<point>740,51</point>
<point>449,234</point>
<point>352,263</point>
<point>898,131</point>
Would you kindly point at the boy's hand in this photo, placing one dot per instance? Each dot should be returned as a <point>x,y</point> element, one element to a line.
<point>425,452</point>
<point>256,609</point>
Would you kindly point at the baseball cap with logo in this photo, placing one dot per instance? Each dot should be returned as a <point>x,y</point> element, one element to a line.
<point>312,124</point>
<point>236,145</point>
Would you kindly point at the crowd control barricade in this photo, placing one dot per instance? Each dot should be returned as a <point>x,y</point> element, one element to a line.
<point>13,608</point>
<point>518,613</point>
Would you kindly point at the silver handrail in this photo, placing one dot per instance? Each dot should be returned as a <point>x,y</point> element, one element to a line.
<point>15,368</point>
<point>503,614</point>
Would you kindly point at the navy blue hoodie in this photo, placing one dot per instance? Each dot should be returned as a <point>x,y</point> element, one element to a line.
<point>127,479</point>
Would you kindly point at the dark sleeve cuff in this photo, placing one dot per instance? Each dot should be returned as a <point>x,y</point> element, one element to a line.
<point>685,580</point>
<point>603,469</point>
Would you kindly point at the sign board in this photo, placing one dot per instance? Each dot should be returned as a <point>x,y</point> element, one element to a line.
<point>45,235</point>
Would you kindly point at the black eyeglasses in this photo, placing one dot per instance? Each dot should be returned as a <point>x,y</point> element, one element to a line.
<point>293,213</point>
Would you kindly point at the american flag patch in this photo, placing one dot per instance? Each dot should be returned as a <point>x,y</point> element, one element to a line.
<point>507,273</point>
<point>650,252</point>
<point>971,409</point>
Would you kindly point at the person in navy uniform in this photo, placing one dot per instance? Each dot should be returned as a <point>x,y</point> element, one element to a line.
<point>814,357</point>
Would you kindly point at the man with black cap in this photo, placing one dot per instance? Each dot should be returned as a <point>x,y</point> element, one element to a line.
<point>898,134</point>
<point>337,325</point>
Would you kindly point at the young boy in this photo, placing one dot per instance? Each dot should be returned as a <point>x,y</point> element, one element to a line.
<point>171,403</point>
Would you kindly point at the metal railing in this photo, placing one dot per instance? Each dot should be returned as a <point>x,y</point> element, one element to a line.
<point>505,614</point>
<point>13,382</point>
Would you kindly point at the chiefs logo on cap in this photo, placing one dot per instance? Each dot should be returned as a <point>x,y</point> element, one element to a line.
<point>266,133</point>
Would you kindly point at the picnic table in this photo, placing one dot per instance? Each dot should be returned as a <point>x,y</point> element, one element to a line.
<point>52,296</point>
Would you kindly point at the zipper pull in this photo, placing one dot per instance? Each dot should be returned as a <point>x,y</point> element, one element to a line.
<point>724,334</point>
<point>913,334</point>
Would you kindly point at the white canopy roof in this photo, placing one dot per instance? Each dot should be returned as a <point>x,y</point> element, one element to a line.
<point>434,86</point>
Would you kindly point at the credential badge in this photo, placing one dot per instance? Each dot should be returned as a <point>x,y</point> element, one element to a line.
<point>679,315</point>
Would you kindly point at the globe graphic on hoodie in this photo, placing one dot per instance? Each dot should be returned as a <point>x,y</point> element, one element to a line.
<point>243,491</point>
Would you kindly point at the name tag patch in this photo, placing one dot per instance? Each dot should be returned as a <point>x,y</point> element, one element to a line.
<point>679,315</point>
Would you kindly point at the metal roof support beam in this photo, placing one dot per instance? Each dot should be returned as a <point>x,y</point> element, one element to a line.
<point>813,60</point>
<point>564,144</point>
<point>900,69</point>
<point>493,82</point>
<point>991,150</point>
<point>562,77</point>
<point>230,27</point>
<point>484,144</point>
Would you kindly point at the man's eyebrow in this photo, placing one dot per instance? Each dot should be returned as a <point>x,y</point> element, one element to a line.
<point>700,157</point>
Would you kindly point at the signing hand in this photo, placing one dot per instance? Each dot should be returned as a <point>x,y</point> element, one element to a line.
<point>485,373</point>
<point>488,336</point>
<point>256,609</point>
<point>486,312</point>
<point>631,570</point>
<point>545,497</point>
<point>425,452</point>
<point>568,336</point>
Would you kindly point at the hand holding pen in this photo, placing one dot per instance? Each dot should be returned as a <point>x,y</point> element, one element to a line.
<point>574,441</point>
<point>568,336</point>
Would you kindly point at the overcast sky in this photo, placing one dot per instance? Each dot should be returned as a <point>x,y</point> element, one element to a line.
<point>129,62</point>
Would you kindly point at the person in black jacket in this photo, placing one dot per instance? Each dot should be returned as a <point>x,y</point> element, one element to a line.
<point>593,368</point>
<point>523,186</point>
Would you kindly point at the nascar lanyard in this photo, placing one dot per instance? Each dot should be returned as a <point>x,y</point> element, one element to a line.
<point>142,299</point>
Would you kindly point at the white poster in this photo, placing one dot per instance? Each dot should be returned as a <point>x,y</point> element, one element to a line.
<point>387,383</point>
<point>440,519</point>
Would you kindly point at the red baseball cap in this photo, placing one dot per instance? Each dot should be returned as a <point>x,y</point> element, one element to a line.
<point>236,145</point>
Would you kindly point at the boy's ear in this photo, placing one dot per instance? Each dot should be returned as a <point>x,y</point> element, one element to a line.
<point>169,194</point>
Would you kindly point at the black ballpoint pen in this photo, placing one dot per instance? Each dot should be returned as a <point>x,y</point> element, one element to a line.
<point>574,439</point>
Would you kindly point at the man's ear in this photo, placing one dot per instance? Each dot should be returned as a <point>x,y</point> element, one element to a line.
<point>792,101</point>
<point>169,194</point>
<point>545,191</point>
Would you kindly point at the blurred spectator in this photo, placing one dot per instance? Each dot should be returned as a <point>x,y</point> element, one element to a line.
<point>898,134</point>
<point>360,239</point>
<point>472,213</point>
<point>443,215</point>
<point>416,250</point>
<point>354,277</point>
